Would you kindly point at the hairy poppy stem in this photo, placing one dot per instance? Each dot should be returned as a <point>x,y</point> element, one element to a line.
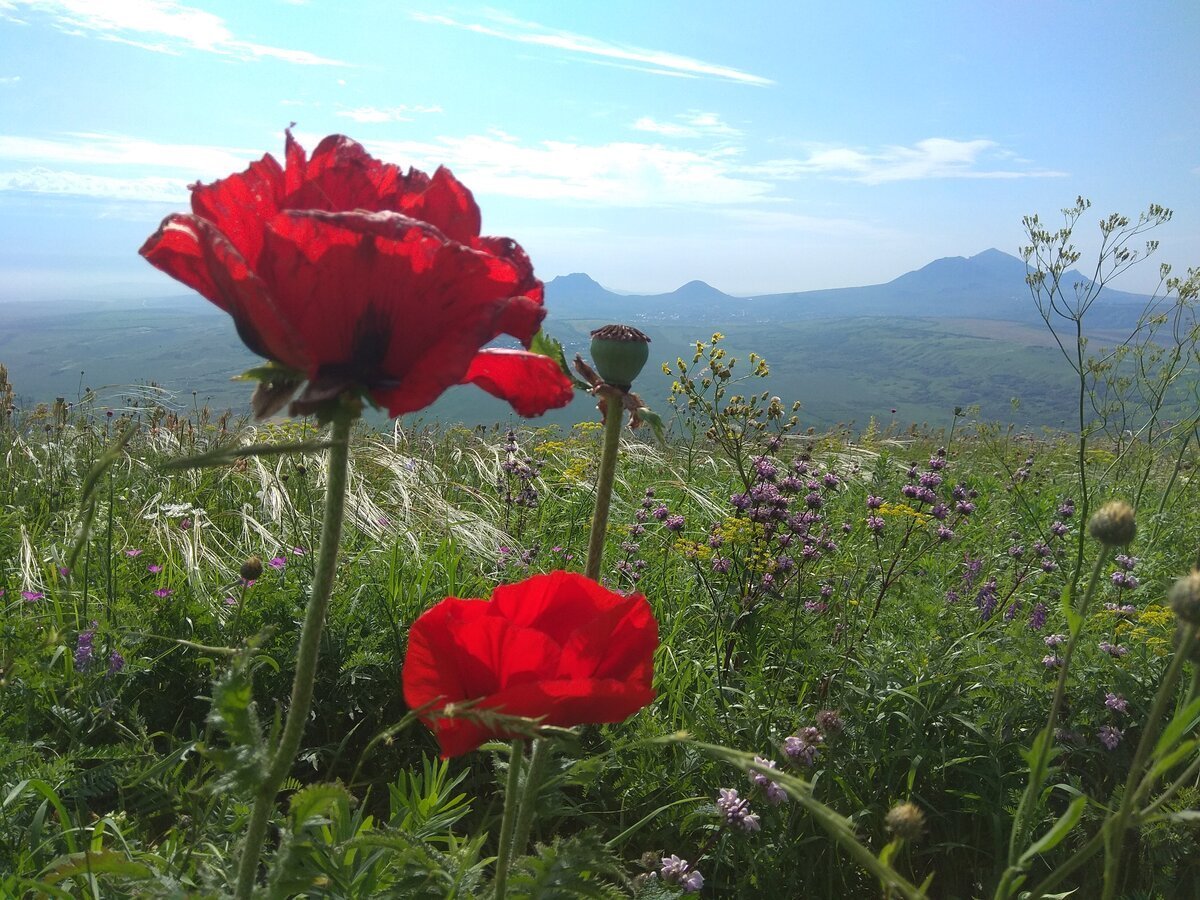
<point>539,759</point>
<point>504,852</point>
<point>281,760</point>
<point>614,413</point>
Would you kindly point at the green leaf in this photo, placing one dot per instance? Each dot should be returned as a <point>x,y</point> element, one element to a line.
<point>1058,831</point>
<point>90,863</point>
<point>271,372</point>
<point>317,801</point>
<point>1182,722</point>
<point>646,414</point>
<point>547,346</point>
<point>226,455</point>
<point>1074,619</point>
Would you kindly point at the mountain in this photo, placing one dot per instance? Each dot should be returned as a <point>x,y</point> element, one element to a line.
<point>989,285</point>
<point>960,331</point>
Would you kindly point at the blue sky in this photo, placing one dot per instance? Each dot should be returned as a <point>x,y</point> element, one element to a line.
<point>759,146</point>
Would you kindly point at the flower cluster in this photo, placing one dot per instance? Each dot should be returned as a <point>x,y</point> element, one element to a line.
<point>736,811</point>
<point>679,871</point>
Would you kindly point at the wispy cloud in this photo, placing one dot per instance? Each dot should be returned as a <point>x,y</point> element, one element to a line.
<point>161,26</point>
<point>658,62</point>
<point>152,189</point>
<point>929,158</point>
<point>10,79</point>
<point>373,114</point>
<point>687,125</point>
<point>92,149</point>
<point>620,173</point>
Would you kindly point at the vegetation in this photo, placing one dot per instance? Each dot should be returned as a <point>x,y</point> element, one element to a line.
<point>884,666</point>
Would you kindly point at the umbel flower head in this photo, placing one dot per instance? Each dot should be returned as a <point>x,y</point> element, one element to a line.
<point>558,647</point>
<point>348,273</point>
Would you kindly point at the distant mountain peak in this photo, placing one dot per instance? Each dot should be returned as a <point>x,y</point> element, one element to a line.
<point>698,290</point>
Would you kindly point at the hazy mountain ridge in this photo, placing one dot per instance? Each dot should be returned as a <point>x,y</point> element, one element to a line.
<point>956,332</point>
<point>988,285</point>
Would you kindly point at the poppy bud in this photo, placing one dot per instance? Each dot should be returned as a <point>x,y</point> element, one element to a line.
<point>619,352</point>
<point>906,821</point>
<point>1185,597</point>
<point>1113,524</point>
<point>251,569</point>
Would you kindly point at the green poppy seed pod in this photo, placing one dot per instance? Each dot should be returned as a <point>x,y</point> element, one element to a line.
<point>1185,597</point>
<point>251,569</point>
<point>906,821</point>
<point>619,352</point>
<point>1113,524</point>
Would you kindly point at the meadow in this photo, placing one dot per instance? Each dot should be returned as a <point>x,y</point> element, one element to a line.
<point>881,617</point>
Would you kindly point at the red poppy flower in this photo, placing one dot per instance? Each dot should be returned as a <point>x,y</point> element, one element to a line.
<point>362,277</point>
<point>557,647</point>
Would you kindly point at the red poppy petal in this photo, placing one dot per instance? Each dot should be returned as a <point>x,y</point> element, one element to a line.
<point>576,701</point>
<point>458,652</point>
<point>530,382</point>
<point>192,250</point>
<point>341,175</point>
<point>385,297</point>
<point>618,644</point>
<point>386,301</point>
<point>557,603</point>
<point>240,204</point>
<point>445,202</point>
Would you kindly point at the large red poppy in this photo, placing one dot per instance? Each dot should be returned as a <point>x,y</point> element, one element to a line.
<point>557,647</point>
<point>362,277</point>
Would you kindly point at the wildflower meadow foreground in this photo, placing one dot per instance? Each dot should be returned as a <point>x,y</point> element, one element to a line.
<point>698,649</point>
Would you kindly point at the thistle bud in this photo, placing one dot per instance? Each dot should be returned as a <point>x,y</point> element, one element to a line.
<point>906,821</point>
<point>1184,597</point>
<point>252,569</point>
<point>619,352</point>
<point>1113,524</point>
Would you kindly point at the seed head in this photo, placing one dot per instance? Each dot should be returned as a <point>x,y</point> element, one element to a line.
<point>906,821</point>
<point>252,569</point>
<point>1113,524</point>
<point>1185,597</point>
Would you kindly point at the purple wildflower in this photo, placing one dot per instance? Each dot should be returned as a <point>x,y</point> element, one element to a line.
<point>874,502</point>
<point>278,562</point>
<point>804,746</point>
<point>116,662</point>
<point>1124,580</point>
<point>1055,640</point>
<point>1114,650</point>
<point>830,721</point>
<point>673,523</point>
<point>736,810</point>
<point>154,568</point>
<point>661,512</point>
<point>31,596</point>
<point>133,551</point>
<point>875,524</point>
<point>679,871</point>
<point>775,794</point>
<point>1037,616</point>
<point>1116,702</point>
<point>1126,562</point>
<point>162,593</point>
<point>84,651</point>
<point>1110,736</point>
<point>1052,661</point>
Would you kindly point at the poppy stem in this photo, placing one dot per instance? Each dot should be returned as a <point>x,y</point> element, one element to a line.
<point>614,413</point>
<point>281,760</point>
<point>511,799</point>
<point>539,759</point>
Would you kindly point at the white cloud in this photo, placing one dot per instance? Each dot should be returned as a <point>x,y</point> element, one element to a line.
<point>152,189</point>
<point>161,26</point>
<point>373,114</point>
<point>621,173</point>
<point>687,125</point>
<point>10,79</point>
<point>658,62</point>
<point>89,148</point>
<point>929,158</point>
